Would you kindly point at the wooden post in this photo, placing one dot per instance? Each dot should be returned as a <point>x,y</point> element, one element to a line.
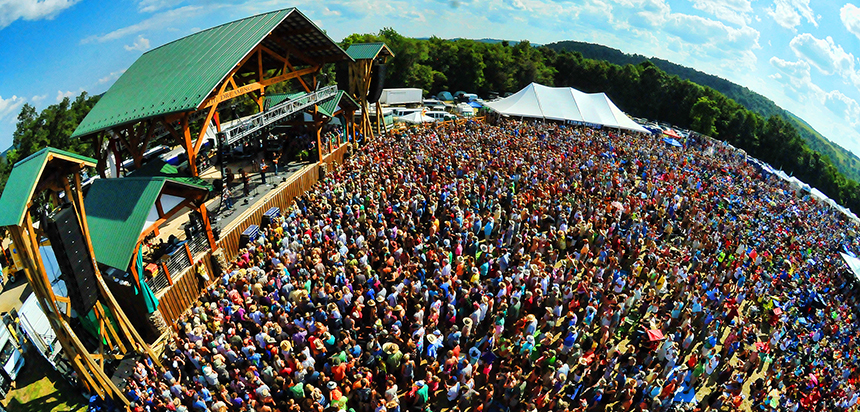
<point>189,148</point>
<point>204,213</point>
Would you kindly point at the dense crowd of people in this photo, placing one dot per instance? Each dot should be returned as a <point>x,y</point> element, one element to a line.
<point>527,266</point>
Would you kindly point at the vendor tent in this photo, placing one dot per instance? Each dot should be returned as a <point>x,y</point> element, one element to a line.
<point>416,118</point>
<point>564,104</point>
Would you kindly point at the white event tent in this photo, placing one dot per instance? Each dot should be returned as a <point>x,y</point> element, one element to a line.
<point>564,104</point>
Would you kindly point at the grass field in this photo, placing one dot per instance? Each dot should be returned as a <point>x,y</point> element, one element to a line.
<point>39,388</point>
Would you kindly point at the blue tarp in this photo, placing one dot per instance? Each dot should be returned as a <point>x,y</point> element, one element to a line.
<point>672,142</point>
<point>475,104</point>
<point>444,96</point>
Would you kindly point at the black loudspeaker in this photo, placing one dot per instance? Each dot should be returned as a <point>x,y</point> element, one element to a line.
<point>377,83</point>
<point>73,256</point>
<point>342,77</point>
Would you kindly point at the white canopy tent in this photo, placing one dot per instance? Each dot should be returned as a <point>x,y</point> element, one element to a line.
<point>416,118</point>
<point>564,104</point>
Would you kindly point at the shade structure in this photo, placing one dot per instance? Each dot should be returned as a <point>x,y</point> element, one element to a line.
<point>416,118</point>
<point>564,104</point>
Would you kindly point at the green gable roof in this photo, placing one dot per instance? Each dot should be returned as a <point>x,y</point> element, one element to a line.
<point>24,179</point>
<point>116,212</point>
<point>367,51</point>
<point>329,107</point>
<point>178,76</point>
<point>160,168</point>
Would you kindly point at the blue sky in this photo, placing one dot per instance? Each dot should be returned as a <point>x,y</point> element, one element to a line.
<point>799,53</point>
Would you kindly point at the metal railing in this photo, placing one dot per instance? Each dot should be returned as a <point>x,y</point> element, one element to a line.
<point>159,281</point>
<point>256,123</point>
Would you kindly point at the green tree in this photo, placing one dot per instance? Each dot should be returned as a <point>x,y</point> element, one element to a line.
<point>704,116</point>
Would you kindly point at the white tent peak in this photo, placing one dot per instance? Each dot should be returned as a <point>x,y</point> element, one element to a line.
<point>564,104</point>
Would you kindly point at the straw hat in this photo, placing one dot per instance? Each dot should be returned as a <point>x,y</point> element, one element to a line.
<point>319,344</point>
<point>331,385</point>
<point>467,322</point>
<point>371,303</point>
<point>390,348</point>
<point>398,308</point>
<point>380,298</point>
<point>431,339</point>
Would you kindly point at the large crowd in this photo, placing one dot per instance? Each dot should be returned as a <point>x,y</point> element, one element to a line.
<point>527,266</point>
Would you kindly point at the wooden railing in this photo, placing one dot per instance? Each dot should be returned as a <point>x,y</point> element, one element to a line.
<point>188,286</point>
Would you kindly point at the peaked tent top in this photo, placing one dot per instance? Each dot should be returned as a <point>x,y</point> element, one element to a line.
<point>564,104</point>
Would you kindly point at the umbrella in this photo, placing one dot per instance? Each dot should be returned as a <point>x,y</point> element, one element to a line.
<point>655,335</point>
<point>777,311</point>
<point>762,347</point>
<point>618,205</point>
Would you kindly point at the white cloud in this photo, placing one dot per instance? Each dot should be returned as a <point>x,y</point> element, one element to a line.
<point>141,44</point>
<point>11,10</point>
<point>850,15</point>
<point>111,77</point>
<point>843,106</point>
<point>787,13</point>
<point>10,106</point>
<point>63,94</point>
<point>733,11</point>
<point>827,56</point>
<point>38,99</point>
<point>157,21</point>
<point>149,6</point>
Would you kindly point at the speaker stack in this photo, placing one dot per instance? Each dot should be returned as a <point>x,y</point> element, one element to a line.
<point>67,241</point>
<point>377,82</point>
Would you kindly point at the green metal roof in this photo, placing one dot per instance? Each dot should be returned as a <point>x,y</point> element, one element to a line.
<point>282,97</point>
<point>329,107</point>
<point>363,51</point>
<point>160,168</point>
<point>116,212</point>
<point>178,76</point>
<point>24,179</point>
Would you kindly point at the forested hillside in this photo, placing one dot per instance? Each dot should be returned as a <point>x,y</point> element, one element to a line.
<point>845,161</point>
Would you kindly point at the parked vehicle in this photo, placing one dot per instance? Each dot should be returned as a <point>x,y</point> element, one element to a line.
<point>441,116</point>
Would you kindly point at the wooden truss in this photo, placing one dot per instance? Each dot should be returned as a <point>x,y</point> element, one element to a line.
<point>114,343</point>
<point>248,77</point>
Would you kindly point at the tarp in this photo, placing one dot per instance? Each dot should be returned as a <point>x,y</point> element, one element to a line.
<point>564,104</point>
<point>475,104</point>
<point>672,142</point>
<point>671,133</point>
<point>445,96</point>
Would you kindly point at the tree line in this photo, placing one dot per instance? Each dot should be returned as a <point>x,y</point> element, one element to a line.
<point>642,90</point>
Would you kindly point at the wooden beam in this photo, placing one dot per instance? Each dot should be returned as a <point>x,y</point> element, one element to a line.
<point>230,94</point>
<point>110,329</point>
<point>189,148</point>
<point>165,217</point>
<point>123,322</point>
<point>292,50</point>
<point>204,213</point>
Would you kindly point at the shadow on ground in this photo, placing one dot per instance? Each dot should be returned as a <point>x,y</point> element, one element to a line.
<point>39,388</point>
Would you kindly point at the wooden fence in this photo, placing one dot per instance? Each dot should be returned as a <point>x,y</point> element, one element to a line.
<point>188,286</point>
<point>185,290</point>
